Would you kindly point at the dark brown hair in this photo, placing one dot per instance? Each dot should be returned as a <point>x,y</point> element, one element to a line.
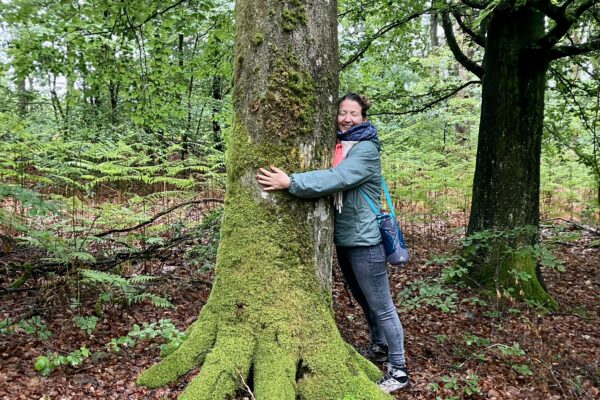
<point>362,100</point>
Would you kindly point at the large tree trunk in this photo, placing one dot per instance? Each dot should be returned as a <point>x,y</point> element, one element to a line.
<point>506,185</point>
<point>269,320</point>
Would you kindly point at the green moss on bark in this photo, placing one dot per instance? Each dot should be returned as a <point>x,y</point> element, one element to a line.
<point>499,263</point>
<point>289,101</point>
<point>258,38</point>
<point>293,13</point>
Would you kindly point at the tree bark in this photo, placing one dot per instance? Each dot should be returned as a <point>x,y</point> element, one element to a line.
<point>433,30</point>
<point>217,97</point>
<point>506,184</point>
<point>268,321</point>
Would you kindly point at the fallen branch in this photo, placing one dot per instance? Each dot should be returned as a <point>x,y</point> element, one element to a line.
<point>107,263</point>
<point>157,216</point>
<point>187,280</point>
<point>16,290</point>
<point>578,226</point>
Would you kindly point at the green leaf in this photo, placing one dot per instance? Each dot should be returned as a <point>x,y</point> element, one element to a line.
<point>42,363</point>
<point>522,369</point>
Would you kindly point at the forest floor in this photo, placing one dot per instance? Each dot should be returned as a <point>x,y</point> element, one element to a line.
<point>458,345</point>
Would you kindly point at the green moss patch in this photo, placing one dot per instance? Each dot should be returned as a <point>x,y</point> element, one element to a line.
<point>293,13</point>
<point>289,101</point>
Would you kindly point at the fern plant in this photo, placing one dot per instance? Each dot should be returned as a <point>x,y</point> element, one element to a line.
<point>117,289</point>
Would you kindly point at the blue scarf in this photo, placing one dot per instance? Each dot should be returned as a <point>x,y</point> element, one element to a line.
<point>364,131</point>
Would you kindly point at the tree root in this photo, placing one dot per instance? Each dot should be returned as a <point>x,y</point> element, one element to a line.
<point>275,362</point>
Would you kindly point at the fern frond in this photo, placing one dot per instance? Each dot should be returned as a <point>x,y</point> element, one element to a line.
<point>142,279</point>
<point>158,301</point>
<point>93,276</point>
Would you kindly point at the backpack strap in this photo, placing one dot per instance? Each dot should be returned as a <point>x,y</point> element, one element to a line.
<point>387,198</point>
<point>368,200</point>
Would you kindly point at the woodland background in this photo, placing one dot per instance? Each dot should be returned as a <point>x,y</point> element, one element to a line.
<point>114,119</point>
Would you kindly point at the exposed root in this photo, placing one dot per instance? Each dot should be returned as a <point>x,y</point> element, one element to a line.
<point>275,369</point>
<point>231,356</point>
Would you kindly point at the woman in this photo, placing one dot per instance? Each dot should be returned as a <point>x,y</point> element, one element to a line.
<point>361,255</point>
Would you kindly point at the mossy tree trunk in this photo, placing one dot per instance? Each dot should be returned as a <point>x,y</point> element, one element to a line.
<point>520,40</point>
<point>507,175</point>
<point>268,321</point>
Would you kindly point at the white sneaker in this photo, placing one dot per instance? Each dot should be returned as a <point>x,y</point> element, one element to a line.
<point>394,378</point>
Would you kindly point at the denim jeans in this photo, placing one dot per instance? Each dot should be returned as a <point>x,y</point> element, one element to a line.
<point>365,272</point>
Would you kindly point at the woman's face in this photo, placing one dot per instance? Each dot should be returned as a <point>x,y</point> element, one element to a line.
<point>349,114</point>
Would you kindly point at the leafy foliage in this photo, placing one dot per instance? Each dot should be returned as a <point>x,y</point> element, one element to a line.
<point>164,329</point>
<point>45,364</point>
<point>116,289</point>
<point>421,293</point>
<point>31,326</point>
<point>87,324</point>
<point>461,385</point>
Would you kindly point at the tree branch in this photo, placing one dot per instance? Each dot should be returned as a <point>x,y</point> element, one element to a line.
<point>566,4</point>
<point>358,54</point>
<point>568,51</point>
<point>479,39</point>
<point>155,14</point>
<point>570,93</point>
<point>564,22</point>
<point>458,54</point>
<point>157,216</point>
<point>550,10</point>
<point>431,103</point>
<point>478,4</point>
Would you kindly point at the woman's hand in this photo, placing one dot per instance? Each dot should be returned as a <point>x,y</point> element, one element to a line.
<point>275,179</point>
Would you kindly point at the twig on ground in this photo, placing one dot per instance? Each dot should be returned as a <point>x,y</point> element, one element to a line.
<point>578,226</point>
<point>157,216</point>
<point>245,386</point>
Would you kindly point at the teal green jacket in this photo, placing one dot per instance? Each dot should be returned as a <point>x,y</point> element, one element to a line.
<point>356,224</point>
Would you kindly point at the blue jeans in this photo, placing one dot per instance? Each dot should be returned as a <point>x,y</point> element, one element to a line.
<point>365,272</point>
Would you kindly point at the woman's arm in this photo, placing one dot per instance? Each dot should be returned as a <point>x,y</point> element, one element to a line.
<point>362,163</point>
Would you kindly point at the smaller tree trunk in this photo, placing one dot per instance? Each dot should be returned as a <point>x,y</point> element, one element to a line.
<point>217,98</point>
<point>433,30</point>
<point>505,207</point>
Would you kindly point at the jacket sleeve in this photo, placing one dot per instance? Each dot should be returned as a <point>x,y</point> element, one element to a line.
<point>362,162</point>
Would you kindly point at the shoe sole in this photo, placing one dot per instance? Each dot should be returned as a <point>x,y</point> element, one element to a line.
<point>407,384</point>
